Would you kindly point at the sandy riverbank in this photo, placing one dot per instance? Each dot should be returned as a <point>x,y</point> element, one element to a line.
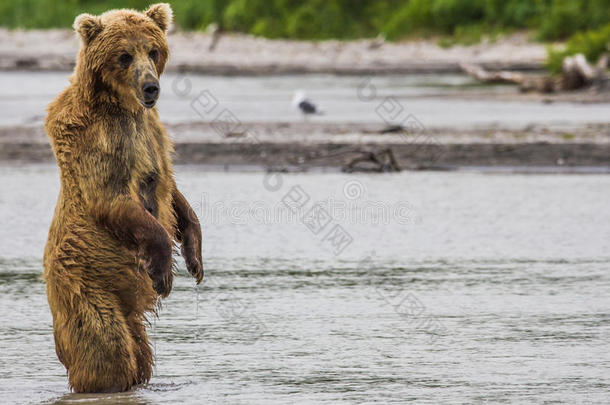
<point>245,54</point>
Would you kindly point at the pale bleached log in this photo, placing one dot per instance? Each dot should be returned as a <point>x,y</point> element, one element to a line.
<point>491,77</point>
<point>576,73</point>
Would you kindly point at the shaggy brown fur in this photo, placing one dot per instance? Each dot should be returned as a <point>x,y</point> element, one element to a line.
<point>109,252</point>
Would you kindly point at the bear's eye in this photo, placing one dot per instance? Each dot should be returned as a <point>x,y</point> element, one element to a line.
<point>154,55</point>
<point>125,59</point>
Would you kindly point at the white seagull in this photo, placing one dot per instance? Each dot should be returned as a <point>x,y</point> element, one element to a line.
<point>305,105</point>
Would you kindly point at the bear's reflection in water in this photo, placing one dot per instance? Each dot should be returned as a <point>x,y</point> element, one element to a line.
<point>136,396</point>
<point>129,397</point>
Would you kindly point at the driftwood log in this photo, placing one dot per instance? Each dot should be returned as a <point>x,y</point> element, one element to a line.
<point>382,161</point>
<point>486,76</point>
<point>576,73</point>
<point>350,158</point>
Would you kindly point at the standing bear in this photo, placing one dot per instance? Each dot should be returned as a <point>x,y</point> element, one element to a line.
<point>108,256</point>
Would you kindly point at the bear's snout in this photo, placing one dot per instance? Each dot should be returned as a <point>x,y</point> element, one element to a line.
<point>151,93</point>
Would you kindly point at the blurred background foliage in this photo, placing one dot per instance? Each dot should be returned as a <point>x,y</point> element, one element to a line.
<point>341,19</point>
<point>592,44</point>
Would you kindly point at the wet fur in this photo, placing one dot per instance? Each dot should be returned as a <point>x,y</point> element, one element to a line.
<point>108,256</point>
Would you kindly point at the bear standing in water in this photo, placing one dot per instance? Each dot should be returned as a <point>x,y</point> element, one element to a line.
<point>109,252</point>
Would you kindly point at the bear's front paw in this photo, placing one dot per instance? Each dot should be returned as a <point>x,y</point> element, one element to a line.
<point>163,284</point>
<point>158,254</point>
<point>191,251</point>
<point>194,267</point>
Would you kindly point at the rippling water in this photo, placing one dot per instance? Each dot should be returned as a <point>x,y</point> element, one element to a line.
<point>456,288</point>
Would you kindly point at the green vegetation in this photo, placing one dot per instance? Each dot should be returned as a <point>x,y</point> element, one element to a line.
<point>592,44</point>
<point>343,19</point>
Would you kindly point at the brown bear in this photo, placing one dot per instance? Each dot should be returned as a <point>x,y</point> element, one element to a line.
<point>108,256</point>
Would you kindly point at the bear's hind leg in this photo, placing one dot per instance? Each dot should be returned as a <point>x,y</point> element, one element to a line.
<point>102,355</point>
<point>143,351</point>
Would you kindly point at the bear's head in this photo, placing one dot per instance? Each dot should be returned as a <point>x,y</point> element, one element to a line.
<point>123,53</point>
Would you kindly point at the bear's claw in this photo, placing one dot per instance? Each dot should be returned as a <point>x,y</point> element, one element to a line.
<point>163,286</point>
<point>196,269</point>
<point>191,251</point>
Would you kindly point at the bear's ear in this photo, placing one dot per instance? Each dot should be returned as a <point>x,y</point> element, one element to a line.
<point>161,14</point>
<point>88,26</point>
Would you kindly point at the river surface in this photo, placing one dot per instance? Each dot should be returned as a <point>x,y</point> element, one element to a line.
<point>429,98</point>
<point>459,287</point>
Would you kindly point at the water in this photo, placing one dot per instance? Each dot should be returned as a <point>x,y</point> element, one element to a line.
<point>458,287</point>
<point>25,95</point>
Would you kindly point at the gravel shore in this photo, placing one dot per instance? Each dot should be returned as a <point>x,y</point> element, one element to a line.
<point>303,146</point>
